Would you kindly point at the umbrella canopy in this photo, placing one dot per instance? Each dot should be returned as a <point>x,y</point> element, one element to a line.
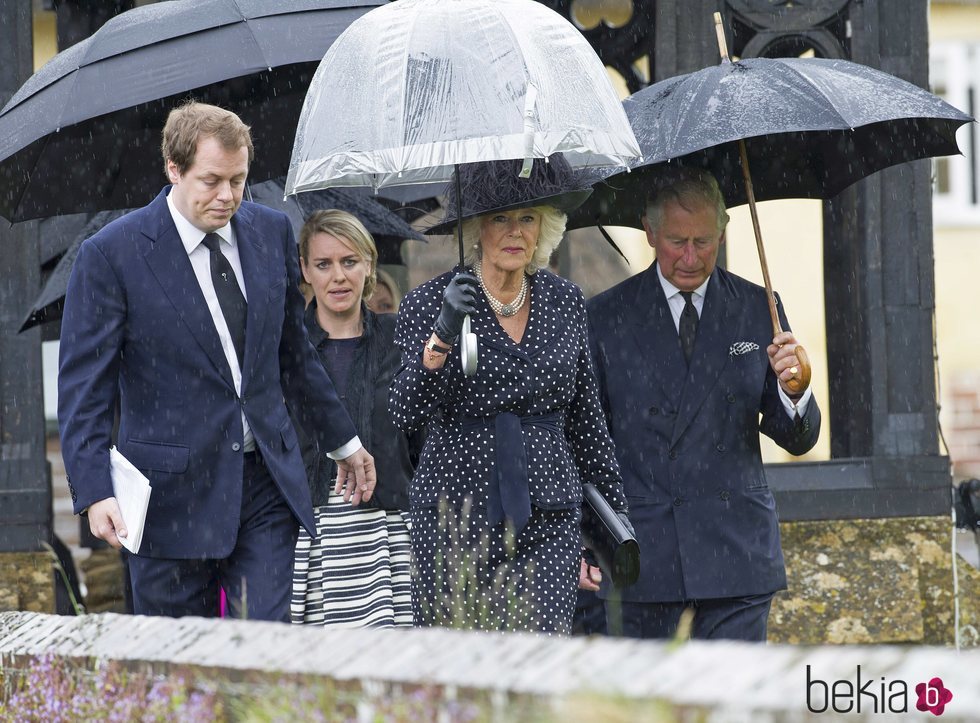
<point>51,301</point>
<point>83,133</point>
<point>417,86</point>
<point>387,228</point>
<point>811,127</point>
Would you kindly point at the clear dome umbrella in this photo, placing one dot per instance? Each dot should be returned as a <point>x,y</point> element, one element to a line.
<point>414,88</point>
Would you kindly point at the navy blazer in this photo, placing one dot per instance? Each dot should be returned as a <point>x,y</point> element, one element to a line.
<point>137,334</point>
<point>549,371</point>
<point>687,439</point>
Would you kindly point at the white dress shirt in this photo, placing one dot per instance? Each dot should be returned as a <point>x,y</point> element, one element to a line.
<point>191,237</point>
<point>676,303</point>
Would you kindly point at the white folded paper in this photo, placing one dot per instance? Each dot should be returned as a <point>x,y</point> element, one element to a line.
<point>132,490</point>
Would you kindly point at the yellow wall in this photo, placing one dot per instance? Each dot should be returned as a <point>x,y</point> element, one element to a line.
<point>953,21</point>
<point>792,233</point>
<point>957,249</point>
<point>45,37</point>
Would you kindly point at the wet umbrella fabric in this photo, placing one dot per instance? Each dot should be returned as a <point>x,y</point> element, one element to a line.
<point>417,86</point>
<point>387,228</point>
<point>51,301</point>
<point>811,127</point>
<point>83,133</point>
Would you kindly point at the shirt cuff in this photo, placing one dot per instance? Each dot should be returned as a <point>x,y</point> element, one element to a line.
<point>799,407</point>
<point>346,451</point>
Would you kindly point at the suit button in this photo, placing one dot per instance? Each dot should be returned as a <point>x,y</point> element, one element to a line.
<point>672,454</point>
<point>235,446</point>
<point>720,447</point>
<point>678,502</point>
<point>654,411</point>
<point>724,496</point>
<point>730,398</point>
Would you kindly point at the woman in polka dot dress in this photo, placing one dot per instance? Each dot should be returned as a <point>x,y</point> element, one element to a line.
<point>496,499</point>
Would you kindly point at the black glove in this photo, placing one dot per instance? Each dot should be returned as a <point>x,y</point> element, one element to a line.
<point>458,300</point>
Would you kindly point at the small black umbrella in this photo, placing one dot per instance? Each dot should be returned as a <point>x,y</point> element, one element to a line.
<point>83,133</point>
<point>811,128</point>
<point>387,228</point>
<point>50,303</point>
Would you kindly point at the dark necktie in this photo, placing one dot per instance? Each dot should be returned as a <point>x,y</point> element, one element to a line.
<point>229,293</point>
<point>688,327</point>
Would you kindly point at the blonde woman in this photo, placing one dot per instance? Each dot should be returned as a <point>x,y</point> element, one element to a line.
<point>356,572</point>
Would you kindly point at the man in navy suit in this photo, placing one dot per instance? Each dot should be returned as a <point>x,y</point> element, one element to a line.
<point>185,316</point>
<point>689,374</point>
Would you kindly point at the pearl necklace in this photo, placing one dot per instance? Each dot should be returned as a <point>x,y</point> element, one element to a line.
<point>498,306</point>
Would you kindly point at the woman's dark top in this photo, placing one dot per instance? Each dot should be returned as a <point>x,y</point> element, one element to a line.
<point>337,355</point>
<point>364,368</point>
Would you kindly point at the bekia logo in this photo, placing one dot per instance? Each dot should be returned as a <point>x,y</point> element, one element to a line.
<point>933,696</point>
<point>870,695</point>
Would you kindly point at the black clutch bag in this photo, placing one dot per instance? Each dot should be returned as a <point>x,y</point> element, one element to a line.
<point>611,541</point>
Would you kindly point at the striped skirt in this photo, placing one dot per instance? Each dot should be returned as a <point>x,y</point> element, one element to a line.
<point>357,573</point>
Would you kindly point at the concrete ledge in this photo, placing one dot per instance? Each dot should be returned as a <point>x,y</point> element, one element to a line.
<point>717,681</point>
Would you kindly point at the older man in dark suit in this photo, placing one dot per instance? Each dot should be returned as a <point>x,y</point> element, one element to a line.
<point>690,374</point>
<point>186,315</point>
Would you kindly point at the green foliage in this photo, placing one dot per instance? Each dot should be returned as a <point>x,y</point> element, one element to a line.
<point>474,591</point>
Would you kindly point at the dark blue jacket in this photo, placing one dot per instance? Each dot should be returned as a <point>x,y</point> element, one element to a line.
<point>687,440</point>
<point>137,331</point>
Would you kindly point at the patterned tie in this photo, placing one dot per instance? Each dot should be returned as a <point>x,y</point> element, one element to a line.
<point>688,327</point>
<point>229,293</point>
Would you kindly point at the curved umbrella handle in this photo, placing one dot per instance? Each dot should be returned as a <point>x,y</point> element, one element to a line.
<point>801,377</point>
<point>468,352</point>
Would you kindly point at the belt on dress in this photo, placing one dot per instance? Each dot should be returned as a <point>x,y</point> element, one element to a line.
<point>509,494</point>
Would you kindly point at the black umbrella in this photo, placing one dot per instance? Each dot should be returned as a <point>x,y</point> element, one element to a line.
<point>811,128</point>
<point>51,301</point>
<point>806,127</point>
<point>83,133</point>
<point>387,228</point>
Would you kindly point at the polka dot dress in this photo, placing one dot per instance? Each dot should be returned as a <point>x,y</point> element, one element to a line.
<point>549,371</point>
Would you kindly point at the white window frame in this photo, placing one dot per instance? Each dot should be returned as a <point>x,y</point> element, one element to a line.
<point>959,64</point>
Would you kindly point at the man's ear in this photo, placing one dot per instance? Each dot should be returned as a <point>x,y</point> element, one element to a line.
<point>173,173</point>
<point>646,228</point>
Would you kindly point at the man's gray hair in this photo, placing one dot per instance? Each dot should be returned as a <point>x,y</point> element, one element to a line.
<point>689,187</point>
<point>551,233</point>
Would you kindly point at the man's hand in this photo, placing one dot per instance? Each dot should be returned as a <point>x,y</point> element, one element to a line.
<point>589,577</point>
<point>356,477</point>
<point>106,522</point>
<point>782,359</point>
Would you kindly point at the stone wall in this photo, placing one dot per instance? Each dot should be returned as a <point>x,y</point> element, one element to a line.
<point>26,582</point>
<point>570,680</point>
<point>874,581</point>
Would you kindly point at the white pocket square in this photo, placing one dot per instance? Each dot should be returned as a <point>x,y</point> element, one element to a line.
<point>742,347</point>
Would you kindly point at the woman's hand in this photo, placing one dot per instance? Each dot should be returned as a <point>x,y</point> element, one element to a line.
<point>589,577</point>
<point>458,300</point>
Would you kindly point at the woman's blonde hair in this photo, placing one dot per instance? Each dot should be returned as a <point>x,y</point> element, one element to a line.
<point>551,233</point>
<point>344,226</point>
